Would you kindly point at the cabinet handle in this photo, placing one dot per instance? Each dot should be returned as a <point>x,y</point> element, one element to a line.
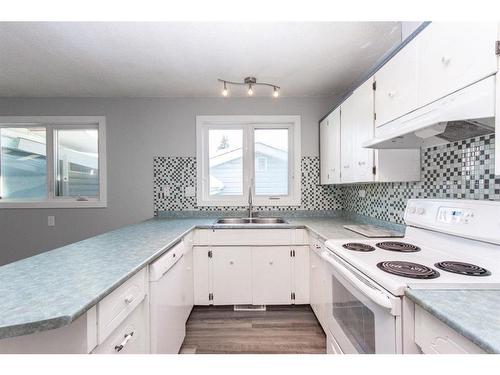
<point>317,247</point>
<point>361,163</point>
<point>129,299</point>
<point>391,94</point>
<point>125,341</point>
<point>346,166</point>
<point>446,60</point>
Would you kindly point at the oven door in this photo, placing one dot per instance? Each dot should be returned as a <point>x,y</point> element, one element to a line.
<point>361,315</point>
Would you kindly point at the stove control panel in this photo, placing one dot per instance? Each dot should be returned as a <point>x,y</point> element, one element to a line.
<point>451,215</point>
<point>473,219</point>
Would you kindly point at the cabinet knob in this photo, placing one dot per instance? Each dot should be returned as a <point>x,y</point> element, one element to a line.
<point>231,262</point>
<point>271,263</point>
<point>361,163</point>
<point>129,299</point>
<point>392,94</point>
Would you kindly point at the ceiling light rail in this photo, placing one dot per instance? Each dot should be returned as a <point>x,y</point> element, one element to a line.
<point>251,82</point>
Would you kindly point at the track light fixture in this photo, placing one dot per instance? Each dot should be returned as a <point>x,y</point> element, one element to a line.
<point>251,82</point>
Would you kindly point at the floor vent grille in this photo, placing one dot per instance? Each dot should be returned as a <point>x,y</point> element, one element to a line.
<point>249,307</point>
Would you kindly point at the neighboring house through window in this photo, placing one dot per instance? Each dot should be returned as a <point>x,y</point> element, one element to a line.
<point>238,153</point>
<point>56,161</point>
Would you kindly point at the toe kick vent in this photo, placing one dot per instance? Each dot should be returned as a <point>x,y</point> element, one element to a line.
<point>249,307</point>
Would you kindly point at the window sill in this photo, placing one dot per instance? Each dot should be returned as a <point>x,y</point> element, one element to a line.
<point>53,204</point>
<point>256,203</point>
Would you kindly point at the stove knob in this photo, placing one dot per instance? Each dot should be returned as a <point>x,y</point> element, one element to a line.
<point>420,210</point>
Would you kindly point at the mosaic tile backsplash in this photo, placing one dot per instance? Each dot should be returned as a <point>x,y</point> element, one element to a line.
<point>459,170</point>
<point>172,174</point>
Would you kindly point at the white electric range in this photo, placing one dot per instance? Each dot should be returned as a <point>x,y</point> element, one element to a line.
<point>448,244</point>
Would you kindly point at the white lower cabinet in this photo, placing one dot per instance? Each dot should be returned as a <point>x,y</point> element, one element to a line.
<point>258,275</point>
<point>271,275</point>
<point>435,337</point>
<point>231,275</point>
<point>131,336</point>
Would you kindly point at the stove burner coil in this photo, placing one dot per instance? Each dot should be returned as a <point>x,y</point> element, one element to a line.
<point>408,269</point>
<point>462,268</point>
<point>398,246</point>
<point>358,247</point>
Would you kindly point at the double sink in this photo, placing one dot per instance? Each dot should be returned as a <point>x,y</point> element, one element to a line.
<point>251,220</point>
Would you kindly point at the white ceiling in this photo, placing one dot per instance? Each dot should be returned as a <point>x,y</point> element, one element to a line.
<point>185,59</point>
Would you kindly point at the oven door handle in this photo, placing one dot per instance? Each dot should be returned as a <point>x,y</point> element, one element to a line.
<point>367,288</point>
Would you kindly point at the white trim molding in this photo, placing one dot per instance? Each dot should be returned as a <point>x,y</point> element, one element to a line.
<point>248,124</point>
<point>52,124</point>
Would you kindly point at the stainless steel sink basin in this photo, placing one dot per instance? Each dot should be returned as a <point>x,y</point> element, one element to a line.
<point>268,220</point>
<point>253,220</point>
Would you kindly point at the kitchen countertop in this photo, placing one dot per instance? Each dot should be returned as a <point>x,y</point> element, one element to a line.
<point>472,313</point>
<point>53,289</point>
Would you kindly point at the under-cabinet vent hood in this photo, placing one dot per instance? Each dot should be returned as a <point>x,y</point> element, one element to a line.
<point>466,113</point>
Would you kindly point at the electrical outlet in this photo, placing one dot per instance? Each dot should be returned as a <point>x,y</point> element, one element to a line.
<point>190,191</point>
<point>166,190</point>
<point>362,193</point>
<point>51,221</point>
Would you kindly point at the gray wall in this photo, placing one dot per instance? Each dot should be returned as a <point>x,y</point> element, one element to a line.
<point>137,130</point>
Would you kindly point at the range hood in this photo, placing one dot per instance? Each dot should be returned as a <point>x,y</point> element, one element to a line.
<point>466,113</point>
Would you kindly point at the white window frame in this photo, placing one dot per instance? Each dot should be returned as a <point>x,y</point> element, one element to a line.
<point>51,123</point>
<point>248,124</point>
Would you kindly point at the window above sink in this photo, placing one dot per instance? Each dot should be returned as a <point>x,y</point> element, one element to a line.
<point>236,154</point>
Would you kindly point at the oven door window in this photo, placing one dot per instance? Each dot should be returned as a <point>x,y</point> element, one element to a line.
<point>356,320</point>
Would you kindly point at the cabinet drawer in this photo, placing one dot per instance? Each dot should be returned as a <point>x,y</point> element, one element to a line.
<point>435,337</point>
<point>130,337</point>
<point>113,309</point>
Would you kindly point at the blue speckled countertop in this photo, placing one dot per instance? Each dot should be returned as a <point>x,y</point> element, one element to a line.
<point>475,314</point>
<point>52,289</point>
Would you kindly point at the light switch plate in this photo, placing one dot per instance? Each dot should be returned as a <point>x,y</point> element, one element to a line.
<point>51,221</point>
<point>362,193</point>
<point>190,191</point>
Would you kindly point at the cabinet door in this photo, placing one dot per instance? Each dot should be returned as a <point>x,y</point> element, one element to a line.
<point>201,268</point>
<point>335,149</point>
<point>188,283</point>
<point>347,140</point>
<point>272,275</point>
<point>330,148</point>
<point>357,119</point>
<point>396,92</point>
<point>300,275</point>
<point>324,147</point>
<point>452,55</point>
<point>231,275</point>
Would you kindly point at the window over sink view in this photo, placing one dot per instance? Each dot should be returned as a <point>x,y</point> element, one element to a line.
<point>243,179</point>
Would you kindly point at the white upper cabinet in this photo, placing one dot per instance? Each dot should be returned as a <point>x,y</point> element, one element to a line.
<point>358,127</point>
<point>453,55</point>
<point>397,85</point>
<point>330,148</point>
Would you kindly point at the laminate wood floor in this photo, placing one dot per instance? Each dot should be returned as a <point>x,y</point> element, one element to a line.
<point>279,330</point>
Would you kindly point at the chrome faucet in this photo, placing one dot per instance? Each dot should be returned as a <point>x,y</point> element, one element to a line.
<point>250,205</point>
